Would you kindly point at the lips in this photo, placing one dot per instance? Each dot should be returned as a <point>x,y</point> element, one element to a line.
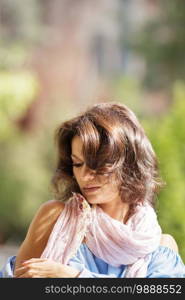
<point>91,189</point>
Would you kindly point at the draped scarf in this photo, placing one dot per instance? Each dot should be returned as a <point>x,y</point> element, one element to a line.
<point>114,242</point>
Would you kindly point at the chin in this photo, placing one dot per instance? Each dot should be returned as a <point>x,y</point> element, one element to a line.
<point>93,199</point>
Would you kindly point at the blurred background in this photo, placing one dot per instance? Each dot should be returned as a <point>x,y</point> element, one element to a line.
<point>59,57</point>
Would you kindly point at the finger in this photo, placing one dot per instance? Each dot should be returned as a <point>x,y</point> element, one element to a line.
<point>20,271</point>
<point>31,274</point>
<point>33,260</point>
<point>25,275</point>
<point>20,276</point>
<point>29,267</point>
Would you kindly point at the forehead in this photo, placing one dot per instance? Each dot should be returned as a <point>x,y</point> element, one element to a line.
<point>76,146</point>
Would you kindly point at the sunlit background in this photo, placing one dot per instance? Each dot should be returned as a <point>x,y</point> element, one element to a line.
<point>59,57</point>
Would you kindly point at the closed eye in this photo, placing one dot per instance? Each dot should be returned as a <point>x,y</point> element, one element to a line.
<point>77,165</point>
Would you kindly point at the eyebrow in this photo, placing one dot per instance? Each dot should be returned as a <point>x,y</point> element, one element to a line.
<point>76,156</point>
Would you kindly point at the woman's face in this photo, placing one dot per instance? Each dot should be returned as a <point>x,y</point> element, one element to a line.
<point>95,188</point>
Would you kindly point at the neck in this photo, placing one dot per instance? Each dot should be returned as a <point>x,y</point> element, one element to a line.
<point>116,210</point>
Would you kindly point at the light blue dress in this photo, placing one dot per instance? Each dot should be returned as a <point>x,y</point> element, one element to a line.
<point>164,262</point>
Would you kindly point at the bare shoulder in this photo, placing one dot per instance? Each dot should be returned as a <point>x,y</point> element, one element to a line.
<point>52,208</point>
<point>169,241</point>
<point>45,217</point>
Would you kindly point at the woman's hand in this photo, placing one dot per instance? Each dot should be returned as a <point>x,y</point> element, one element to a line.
<point>44,268</point>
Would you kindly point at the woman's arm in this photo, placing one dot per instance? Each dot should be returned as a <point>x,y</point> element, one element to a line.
<point>39,231</point>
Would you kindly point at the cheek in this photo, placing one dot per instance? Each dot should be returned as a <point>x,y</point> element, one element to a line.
<point>111,189</point>
<point>76,174</point>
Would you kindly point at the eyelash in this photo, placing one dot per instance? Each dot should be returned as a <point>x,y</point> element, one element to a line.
<point>77,165</point>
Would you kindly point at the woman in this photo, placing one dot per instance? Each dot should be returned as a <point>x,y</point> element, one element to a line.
<point>102,222</point>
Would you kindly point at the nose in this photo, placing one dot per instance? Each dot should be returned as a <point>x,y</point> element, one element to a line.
<point>87,173</point>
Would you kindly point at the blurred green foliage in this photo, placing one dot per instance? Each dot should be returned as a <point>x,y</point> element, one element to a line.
<point>13,55</point>
<point>17,90</point>
<point>167,135</point>
<point>128,90</point>
<point>161,43</point>
<point>23,176</point>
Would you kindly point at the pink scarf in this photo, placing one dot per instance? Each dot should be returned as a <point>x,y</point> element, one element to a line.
<point>112,241</point>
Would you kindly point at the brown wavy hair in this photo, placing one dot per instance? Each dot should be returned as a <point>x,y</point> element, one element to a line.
<point>113,142</point>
